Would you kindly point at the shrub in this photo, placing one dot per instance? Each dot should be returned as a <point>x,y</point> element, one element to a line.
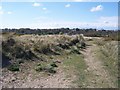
<point>40,67</point>
<point>51,57</point>
<point>74,42</point>
<point>50,69</point>
<point>11,41</point>
<point>75,50</point>
<point>53,64</point>
<point>83,44</point>
<point>78,45</point>
<point>6,45</point>
<point>36,49</point>
<point>45,49</point>
<point>64,46</point>
<point>39,64</point>
<point>21,52</point>
<point>46,68</point>
<point>16,50</point>
<point>14,67</point>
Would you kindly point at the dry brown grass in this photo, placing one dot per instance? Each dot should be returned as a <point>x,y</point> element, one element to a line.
<point>37,44</point>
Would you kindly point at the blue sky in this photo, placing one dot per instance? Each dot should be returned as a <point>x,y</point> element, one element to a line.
<point>101,15</point>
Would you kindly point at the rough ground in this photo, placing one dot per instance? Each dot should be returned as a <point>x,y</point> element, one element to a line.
<point>97,76</point>
<point>57,80</point>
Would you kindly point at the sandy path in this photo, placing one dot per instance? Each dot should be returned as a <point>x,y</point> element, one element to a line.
<point>96,76</point>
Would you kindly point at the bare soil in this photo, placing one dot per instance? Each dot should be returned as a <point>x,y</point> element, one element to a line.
<point>35,80</point>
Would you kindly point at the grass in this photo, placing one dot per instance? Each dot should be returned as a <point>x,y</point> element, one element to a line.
<point>75,66</point>
<point>50,68</point>
<point>108,54</point>
<point>47,49</point>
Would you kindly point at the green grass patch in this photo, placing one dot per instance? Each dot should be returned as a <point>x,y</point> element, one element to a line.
<point>49,68</point>
<point>76,66</point>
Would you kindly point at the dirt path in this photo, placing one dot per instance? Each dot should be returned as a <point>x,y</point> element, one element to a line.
<point>96,76</point>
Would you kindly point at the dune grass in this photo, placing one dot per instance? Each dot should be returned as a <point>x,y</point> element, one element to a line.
<point>32,47</point>
<point>108,53</point>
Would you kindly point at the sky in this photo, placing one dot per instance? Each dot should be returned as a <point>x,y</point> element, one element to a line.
<point>72,14</point>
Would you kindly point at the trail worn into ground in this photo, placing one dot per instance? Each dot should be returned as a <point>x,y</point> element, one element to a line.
<point>97,76</point>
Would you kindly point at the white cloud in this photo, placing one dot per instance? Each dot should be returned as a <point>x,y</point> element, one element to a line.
<point>97,8</point>
<point>67,5</point>
<point>44,8</point>
<point>9,12</point>
<point>36,4</point>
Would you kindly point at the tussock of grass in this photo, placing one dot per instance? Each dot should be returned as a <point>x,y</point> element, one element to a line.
<point>50,68</point>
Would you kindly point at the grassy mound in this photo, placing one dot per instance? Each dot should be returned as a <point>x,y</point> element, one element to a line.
<point>32,47</point>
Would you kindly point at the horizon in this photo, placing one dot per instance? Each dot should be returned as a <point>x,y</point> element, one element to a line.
<point>62,28</point>
<point>52,15</point>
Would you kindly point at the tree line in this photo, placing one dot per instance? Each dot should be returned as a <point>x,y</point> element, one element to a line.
<point>87,32</point>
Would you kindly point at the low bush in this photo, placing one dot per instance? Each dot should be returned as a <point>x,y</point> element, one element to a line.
<point>78,45</point>
<point>46,68</point>
<point>16,50</point>
<point>74,42</point>
<point>11,41</point>
<point>83,44</point>
<point>19,52</point>
<point>50,69</point>
<point>64,46</point>
<point>53,64</point>
<point>40,67</point>
<point>14,67</point>
<point>75,50</point>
